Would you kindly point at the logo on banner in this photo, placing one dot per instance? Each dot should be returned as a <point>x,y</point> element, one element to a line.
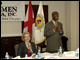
<point>39,22</point>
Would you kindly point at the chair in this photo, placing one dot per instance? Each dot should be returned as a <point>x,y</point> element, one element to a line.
<point>16,48</point>
<point>64,42</point>
<point>42,45</point>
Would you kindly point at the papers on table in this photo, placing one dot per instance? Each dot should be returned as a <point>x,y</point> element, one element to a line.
<point>18,57</point>
<point>51,57</point>
<point>69,53</point>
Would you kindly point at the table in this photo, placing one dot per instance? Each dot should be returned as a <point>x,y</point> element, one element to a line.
<point>52,54</point>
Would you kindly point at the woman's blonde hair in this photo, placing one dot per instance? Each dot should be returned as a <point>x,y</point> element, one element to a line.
<point>22,37</point>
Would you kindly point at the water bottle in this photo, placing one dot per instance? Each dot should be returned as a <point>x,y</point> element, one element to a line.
<point>39,54</point>
<point>60,51</point>
<point>6,56</point>
<point>76,53</point>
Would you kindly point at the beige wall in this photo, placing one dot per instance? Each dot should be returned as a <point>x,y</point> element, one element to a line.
<point>10,28</point>
<point>77,29</point>
<point>68,15</point>
<point>73,24</point>
<point>69,24</point>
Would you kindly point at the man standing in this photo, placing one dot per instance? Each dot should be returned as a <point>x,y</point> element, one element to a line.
<point>53,31</point>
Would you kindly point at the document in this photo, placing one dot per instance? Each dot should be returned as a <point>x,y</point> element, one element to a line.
<point>51,57</point>
<point>69,53</point>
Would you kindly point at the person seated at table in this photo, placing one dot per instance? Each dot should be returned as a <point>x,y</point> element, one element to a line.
<point>26,47</point>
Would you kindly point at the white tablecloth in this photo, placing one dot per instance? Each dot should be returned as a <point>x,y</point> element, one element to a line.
<point>51,54</point>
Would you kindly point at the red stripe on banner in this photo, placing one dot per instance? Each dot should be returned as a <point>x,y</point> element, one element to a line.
<point>30,15</point>
<point>30,19</point>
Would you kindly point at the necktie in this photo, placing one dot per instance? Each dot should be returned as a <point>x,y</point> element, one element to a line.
<point>56,24</point>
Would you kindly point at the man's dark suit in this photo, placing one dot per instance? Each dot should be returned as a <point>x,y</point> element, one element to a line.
<point>53,38</point>
<point>22,50</point>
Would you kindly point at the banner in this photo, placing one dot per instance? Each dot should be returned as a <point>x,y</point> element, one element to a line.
<point>29,23</point>
<point>12,10</point>
<point>39,25</point>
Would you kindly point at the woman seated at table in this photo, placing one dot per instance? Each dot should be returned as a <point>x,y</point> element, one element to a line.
<point>26,47</point>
